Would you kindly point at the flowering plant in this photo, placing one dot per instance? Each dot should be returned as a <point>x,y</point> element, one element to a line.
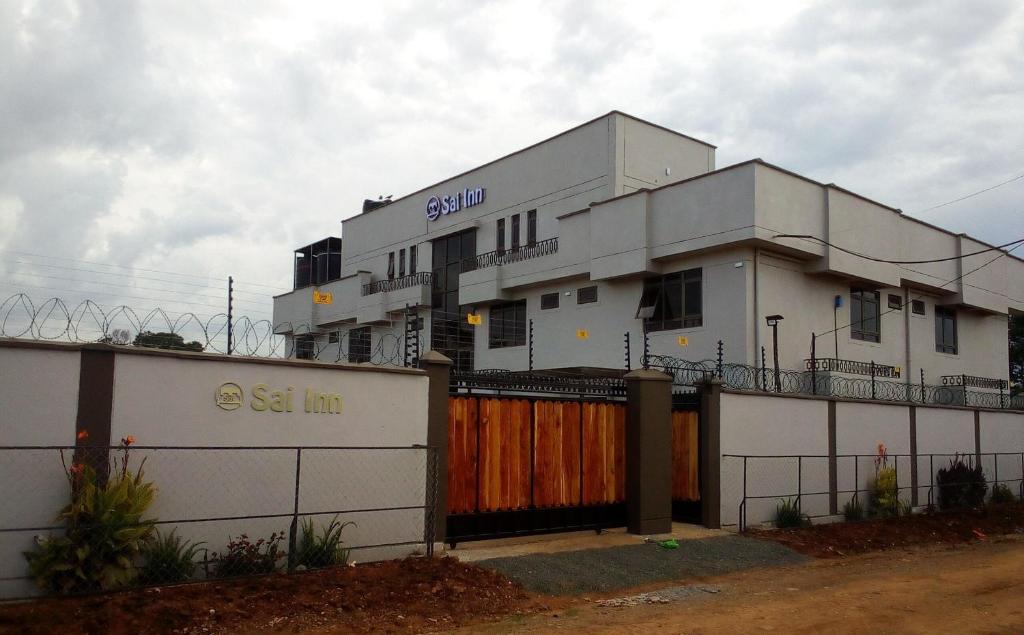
<point>245,557</point>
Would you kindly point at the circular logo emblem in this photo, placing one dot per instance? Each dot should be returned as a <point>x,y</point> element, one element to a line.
<point>433,208</point>
<point>229,396</point>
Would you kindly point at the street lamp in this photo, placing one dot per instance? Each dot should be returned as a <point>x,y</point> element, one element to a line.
<point>773,321</point>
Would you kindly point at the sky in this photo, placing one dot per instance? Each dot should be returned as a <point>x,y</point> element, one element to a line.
<point>148,150</point>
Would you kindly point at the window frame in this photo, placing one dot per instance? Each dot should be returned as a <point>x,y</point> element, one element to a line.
<point>401,263</point>
<point>580,291</point>
<point>531,227</point>
<point>657,293</point>
<point>412,259</point>
<point>305,347</point>
<point>894,302</point>
<point>506,324</point>
<point>499,240</point>
<point>944,315</point>
<point>914,304</point>
<point>858,299</point>
<point>391,265</point>
<point>547,296</point>
<point>514,241</point>
<point>355,339</point>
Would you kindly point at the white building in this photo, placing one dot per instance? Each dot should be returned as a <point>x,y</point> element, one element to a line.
<point>585,233</point>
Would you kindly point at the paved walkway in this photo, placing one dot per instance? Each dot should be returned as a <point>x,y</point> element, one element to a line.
<point>621,567</point>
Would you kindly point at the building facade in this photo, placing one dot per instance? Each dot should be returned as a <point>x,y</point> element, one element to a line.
<point>620,228</point>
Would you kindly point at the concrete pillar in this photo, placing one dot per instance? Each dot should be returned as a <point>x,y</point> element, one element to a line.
<point>711,453</point>
<point>95,407</point>
<point>833,471</point>
<point>913,457</point>
<point>648,452</point>
<point>438,369</point>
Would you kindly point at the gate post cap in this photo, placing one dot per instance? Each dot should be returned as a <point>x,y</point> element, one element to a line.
<point>434,357</point>
<point>647,375</point>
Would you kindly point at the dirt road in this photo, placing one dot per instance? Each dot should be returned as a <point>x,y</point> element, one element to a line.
<point>976,588</point>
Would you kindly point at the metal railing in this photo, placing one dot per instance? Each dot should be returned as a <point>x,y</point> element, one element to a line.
<point>852,367</point>
<point>243,510</point>
<point>506,256</point>
<point>974,382</point>
<point>803,475</point>
<point>420,278</point>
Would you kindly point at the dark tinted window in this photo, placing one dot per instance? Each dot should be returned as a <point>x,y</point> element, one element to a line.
<point>359,345</point>
<point>401,263</point>
<point>917,306</point>
<point>586,295</point>
<point>515,231</point>
<point>672,301</point>
<point>531,227</point>
<point>507,325</point>
<point>865,316</point>
<point>391,265</point>
<point>895,302</point>
<point>304,347</point>
<point>500,243</point>
<point>945,330</point>
<point>549,301</point>
<point>412,259</point>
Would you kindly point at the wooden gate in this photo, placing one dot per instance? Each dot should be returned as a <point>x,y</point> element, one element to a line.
<point>520,465</point>
<point>686,491</point>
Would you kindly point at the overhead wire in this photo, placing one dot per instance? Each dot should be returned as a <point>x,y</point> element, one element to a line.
<point>899,262</point>
<point>971,195</point>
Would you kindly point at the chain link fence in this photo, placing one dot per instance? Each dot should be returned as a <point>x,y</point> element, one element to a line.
<point>86,519</point>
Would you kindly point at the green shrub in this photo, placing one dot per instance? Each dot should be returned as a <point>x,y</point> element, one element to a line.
<point>853,510</point>
<point>105,532</point>
<point>169,559</point>
<point>323,550</point>
<point>960,485</point>
<point>1001,494</point>
<point>884,494</point>
<point>245,557</point>
<point>787,515</point>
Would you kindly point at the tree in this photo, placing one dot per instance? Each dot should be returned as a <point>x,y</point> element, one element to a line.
<point>172,341</point>
<point>1017,352</point>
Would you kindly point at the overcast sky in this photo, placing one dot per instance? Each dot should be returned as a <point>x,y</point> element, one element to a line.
<point>213,138</point>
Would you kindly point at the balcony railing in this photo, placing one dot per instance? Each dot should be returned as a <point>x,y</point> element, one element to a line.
<point>420,278</point>
<point>971,381</point>
<point>851,367</point>
<point>506,256</point>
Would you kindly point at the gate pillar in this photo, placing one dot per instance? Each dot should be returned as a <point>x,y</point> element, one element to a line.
<point>438,368</point>
<point>648,452</point>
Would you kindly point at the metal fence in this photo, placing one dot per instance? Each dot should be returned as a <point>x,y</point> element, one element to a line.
<point>98,518</point>
<point>754,485</point>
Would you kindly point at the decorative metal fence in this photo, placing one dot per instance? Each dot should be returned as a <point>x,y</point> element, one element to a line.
<point>87,519</point>
<point>754,485</point>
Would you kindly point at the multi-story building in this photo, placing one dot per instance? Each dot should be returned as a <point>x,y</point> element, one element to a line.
<point>619,226</point>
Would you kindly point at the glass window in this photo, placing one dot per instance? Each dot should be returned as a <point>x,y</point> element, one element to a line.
<point>917,306</point>
<point>549,301</point>
<point>945,330</point>
<point>391,265</point>
<point>515,231</point>
<point>672,301</point>
<point>507,325</point>
<point>412,259</point>
<point>895,302</point>
<point>304,347</point>
<point>531,227</point>
<point>586,295</point>
<point>865,316</point>
<point>401,263</point>
<point>359,345</point>
<point>500,244</point>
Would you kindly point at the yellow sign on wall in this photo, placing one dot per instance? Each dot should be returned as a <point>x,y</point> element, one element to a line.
<point>474,318</point>
<point>322,297</point>
<point>583,334</point>
<point>683,341</point>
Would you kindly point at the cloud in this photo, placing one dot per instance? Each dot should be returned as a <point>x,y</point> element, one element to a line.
<point>212,138</point>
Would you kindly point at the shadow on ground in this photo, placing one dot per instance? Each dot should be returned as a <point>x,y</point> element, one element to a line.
<point>615,568</point>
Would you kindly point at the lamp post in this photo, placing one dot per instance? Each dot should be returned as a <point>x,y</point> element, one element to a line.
<point>773,321</point>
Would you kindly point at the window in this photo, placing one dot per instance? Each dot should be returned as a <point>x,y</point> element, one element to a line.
<point>917,306</point>
<point>895,302</point>
<point>586,295</point>
<point>333,337</point>
<point>531,227</point>
<point>672,301</point>
<point>391,265</point>
<point>865,316</point>
<point>500,247</point>
<point>508,325</point>
<point>401,263</point>
<point>304,347</point>
<point>359,345</point>
<point>515,231</point>
<point>412,259</point>
<point>945,330</point>
<point>549,301</point>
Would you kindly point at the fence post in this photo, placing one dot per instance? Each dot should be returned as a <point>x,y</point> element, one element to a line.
<point>764,375</point>
<point>814,364</point>
<point>530,368</point>
<point>872,379</point>
<point>648,452</point>
<point>294,528</point>
<point>922,386</point>
<point>718,366</point>
<point>710,452</point>
<point>647,350</point>
<point>438,369</point>
<point>743,503</point>
<point>799,482</point>
<point>629,362</point>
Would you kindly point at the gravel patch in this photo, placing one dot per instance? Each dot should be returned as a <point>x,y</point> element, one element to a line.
<point>661,596</point>
<point>614,568</point>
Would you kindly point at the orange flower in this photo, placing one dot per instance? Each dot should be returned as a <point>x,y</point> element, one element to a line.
<point>128,440</point>
<point>83,435</point>
<point>76,469</point>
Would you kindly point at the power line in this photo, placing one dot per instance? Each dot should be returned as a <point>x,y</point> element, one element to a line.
<point>118,295</point>
<point>973,194</point>
<point>169,273</point>
<point>899,262</point>
<point>903,305</point>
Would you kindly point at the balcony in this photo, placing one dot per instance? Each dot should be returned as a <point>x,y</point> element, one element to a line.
<point>421,278</point>
<point>508,256</point>
<point>381,297</point>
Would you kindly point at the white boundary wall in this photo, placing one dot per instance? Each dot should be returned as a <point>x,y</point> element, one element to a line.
<point>169,399</point>
<point>755,425</point>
